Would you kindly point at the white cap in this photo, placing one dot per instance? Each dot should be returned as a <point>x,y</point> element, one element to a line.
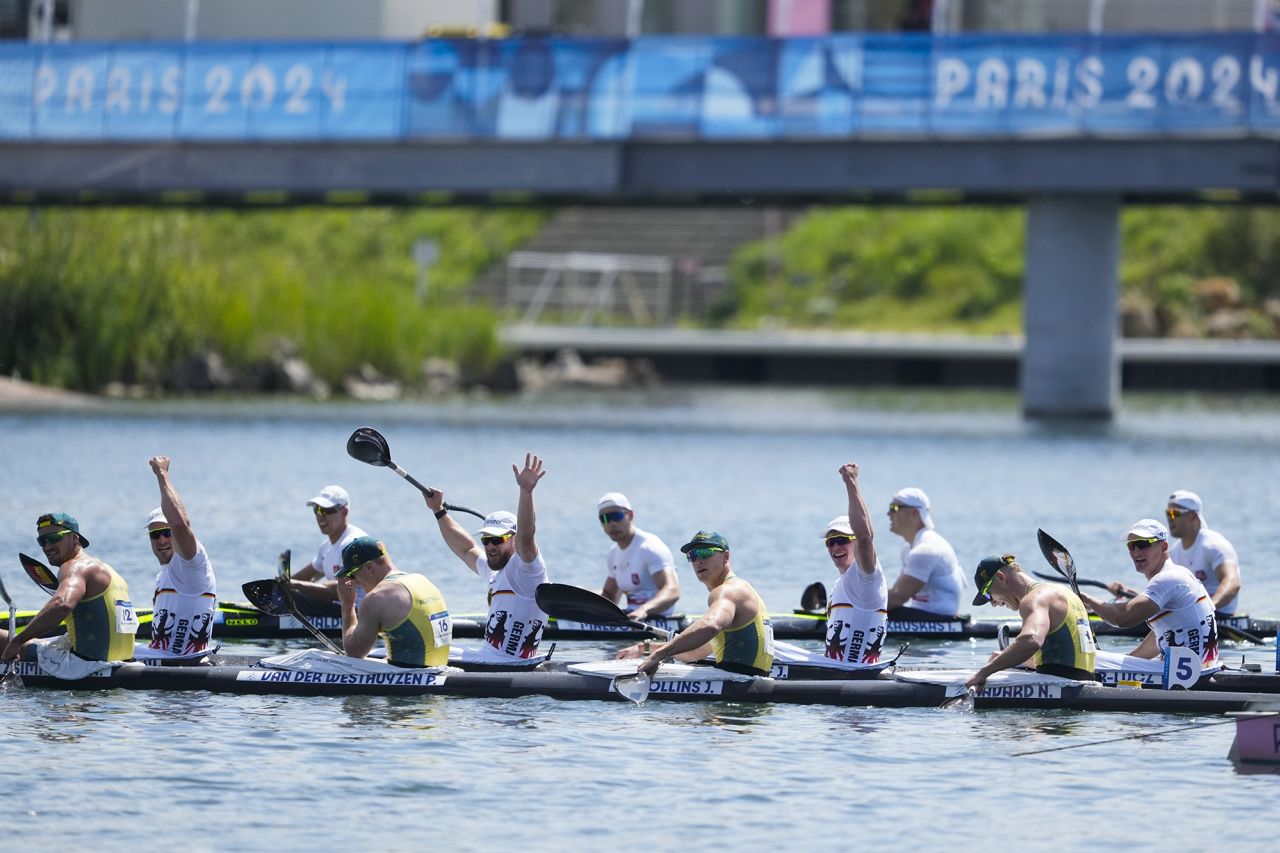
<point>916,499</point>
<point>156,517</point>
<point>1190,501</point>
<point>840,524</point>
<point>329,497</point>
<point>1149,528</point>
<point>498,523</point>
<point>613,499</point>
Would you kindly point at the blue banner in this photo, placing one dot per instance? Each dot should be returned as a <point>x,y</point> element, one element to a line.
<point>843,86</point>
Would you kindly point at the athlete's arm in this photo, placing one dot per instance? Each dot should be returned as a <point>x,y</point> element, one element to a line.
<point>174,512</point>
<point>1124,614</point>
<point>458,540</point>
<point>1035,627</point>
<point>668,594</point>
<point>526,521</point>
<point>1228,583</point>
<point>694,642</point>
<point>359,632</point>
<point>860,523</point>
<point>610,589</point>
<point>309,572</point>
<point>71,589</point>
<point>902,590</point>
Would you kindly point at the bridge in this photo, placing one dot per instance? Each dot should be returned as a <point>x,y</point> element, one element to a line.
<point>1071,126</point>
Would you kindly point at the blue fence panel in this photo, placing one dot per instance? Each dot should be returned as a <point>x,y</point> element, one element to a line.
<point>835,86</point>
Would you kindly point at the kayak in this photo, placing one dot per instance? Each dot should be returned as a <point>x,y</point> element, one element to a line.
<point>241,621</point>
<point>918,689</point>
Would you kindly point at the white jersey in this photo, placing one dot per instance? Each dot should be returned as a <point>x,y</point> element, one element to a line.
<point>329,557</point>
<point>1186,613</point>
<point>632,568</point>
<point>1209,551</point>
<point>184,604</point>
<point>516,622</point>
<point>857,613</point>
<point>931,559</point>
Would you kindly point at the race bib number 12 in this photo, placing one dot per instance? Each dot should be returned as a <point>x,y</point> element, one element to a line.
<point>126,619</point>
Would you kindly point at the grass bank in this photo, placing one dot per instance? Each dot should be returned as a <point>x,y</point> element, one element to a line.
<point>89,297</point>
<point>1185,272</point>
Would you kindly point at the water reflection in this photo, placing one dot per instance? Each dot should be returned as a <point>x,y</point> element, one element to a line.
<point>421,713</point>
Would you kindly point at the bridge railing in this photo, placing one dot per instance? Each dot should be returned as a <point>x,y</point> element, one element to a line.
<point>663,88</point>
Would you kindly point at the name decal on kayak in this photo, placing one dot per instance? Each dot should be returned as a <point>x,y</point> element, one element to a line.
<point>324,623</point>
<point>567,625</point>
<point>397,679</point>
<point>925,627</point>
<point>780,671</point>
<point>699,688</point>
<point>1021,691</point>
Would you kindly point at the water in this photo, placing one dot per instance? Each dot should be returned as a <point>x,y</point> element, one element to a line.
<point>532,773</point>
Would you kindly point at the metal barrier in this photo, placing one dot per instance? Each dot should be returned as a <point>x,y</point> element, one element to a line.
<point>588,284</point>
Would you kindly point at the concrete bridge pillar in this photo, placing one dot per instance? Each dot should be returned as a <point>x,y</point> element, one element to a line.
<point>1070,362</point>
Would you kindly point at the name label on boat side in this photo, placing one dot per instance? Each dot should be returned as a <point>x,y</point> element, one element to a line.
<point>698,688</point>
<point>1021,691</point>
<point>780,671</point>
<point>32,668</point>
<point>1113,677</point>
<point>566,625</point>
<point>397,679</point>
<point>924,627</point>
<point>324,623</point>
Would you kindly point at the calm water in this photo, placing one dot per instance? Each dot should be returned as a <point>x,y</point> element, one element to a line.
<point>261,772</point>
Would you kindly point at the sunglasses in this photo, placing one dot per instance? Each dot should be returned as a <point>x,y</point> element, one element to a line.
<point>702,553</point>
<point>839,540</point>
<point>1140,544</point>
<point>159,532</point>
<point>616,515</point>
<point>494,540</point>
<point>322,511</point>
<point>51,538</point>
<point>895,507</point>
<point>1175,513</point>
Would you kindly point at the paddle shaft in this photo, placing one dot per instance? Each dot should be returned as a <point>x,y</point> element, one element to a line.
<point>430,492</point>
<point>286,591</point>
<point>13,630</point>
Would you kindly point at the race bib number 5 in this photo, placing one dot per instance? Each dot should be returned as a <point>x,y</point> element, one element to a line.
<point>126,618</point>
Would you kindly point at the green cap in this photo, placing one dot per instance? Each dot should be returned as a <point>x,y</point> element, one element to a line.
<point>705,539</point>
<point>986,573</point>
<point>359,551</point>
<point>62,519</point>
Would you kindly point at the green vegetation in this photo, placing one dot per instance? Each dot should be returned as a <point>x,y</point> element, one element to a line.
<point>92,296</point>
<point>961,269</point>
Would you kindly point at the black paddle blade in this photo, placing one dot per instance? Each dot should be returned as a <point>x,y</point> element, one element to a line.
<point>44,577</point>
<point>814,597</point>
<point>576,604</point>
<point>266,596</point>
<point>1056,553</point>
<point>367,445</point>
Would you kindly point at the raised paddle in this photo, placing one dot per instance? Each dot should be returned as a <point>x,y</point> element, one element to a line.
<point>9,669</point>
<point>265,595</point>
<point>42,575</point>
<point>814,598</point>
<point>1082,581</point>
<point>286,593</point>
<point>367,445</point>
<point>1060,558</point>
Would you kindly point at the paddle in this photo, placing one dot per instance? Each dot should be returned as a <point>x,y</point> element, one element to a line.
<point>1082,581</point>
<point>576,604</point>
<point>266,596</point>
<point>814,598</point>
<point>1060,558</point>
<point>367,445</point>
<point>286,593</point>
<point>43,576</point>
<point>9,669</point>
